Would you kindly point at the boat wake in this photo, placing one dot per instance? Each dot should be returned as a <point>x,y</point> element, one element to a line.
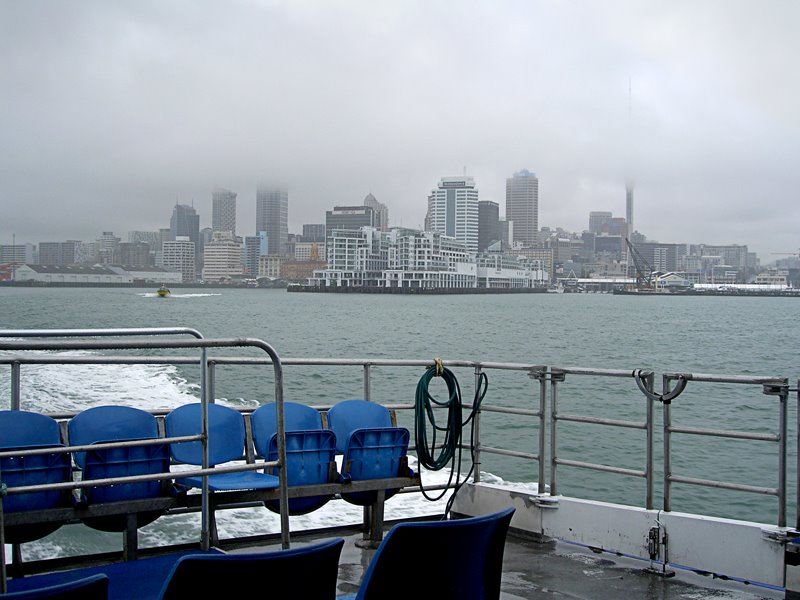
<point>174,295</point>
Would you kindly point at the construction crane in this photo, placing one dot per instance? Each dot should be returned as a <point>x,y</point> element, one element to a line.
<point>644,272</point>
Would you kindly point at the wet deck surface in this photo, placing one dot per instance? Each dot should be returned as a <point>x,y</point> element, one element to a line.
<point>534,570</point>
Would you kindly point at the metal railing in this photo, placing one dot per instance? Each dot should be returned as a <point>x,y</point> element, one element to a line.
<point>548,380</point>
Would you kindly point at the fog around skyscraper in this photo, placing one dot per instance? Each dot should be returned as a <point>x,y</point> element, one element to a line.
<point>114,112</point>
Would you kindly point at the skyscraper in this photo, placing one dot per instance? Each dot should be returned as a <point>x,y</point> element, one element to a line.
<point>453,210</point>
<point>223,210</point>
<point>629,206</point>
<point>381,212</point>
<point>522,206</point>
<point>488,224</point>
<point>272,216</point>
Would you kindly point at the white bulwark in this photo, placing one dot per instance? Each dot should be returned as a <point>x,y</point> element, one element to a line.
<point>408,258</point>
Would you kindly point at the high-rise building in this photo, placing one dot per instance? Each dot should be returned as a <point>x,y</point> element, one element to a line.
<point>348,218</point>
<point>255,246</point>
<point>453,210</point>
<point>381,212</point>
<point>488,224</point>
<point>223,210</point>
<point>57,253</point>
<point>134,254</point>
<point>178,255</point>
<point>222,258</point>
<point>107,248</point>
<point>599,220</point>
<point>272,216</point>
<point>185,222</point>
<point>522,206</point>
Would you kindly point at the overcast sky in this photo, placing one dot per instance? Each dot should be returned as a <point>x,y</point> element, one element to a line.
<point>111,111</point>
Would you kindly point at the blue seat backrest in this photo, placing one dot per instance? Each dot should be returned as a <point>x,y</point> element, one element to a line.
<point>306,572</point>
<point>114,424</point>
<point>109,423</point>
<point>469,559</point>
<point>25,430</point>
<point>296,417</point>
<point>225,433</point>
<point>375,453</point>
<point>88,588</point>
<point>349,415</point>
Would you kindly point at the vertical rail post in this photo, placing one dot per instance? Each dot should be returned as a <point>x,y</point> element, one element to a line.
<point>367,382</point>
<point>15,385</point>
<point>554,378</point>
<point>797,475</point>
<point>542,430</point>
<point>476,448</point>
<point>205,538</point>
<point>667,410</point>
<point>783,397</point>
<point>650,442</point>
<point>212,380</point>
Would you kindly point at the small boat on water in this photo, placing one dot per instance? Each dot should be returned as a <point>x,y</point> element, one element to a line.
<point>163,291</point>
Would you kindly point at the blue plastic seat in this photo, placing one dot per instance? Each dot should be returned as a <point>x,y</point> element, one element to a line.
<point>307,572</point>
<point>371,447</point>
<point>113,424</point>
<point>226,437</point>
<point>25,430</point>
<point>310,450</point>
<point>468,559</point>
<point>89,588</point>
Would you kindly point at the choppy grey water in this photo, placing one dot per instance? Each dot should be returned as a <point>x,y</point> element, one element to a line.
<point>720,335</point>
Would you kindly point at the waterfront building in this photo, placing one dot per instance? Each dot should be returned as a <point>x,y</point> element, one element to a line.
<point>522,206</point>
<point>350,218</point>
<point>408,258</point>
<point>58,253</point>
<point>148,275</point>
<point>453,210</point>
<point>381,212</point>
<point>507,234</point>
<point>272,217</point>
<point>488,224</point>
<point>222,257</point>
<point>71,275</point>
<point>269,265</point>
<point>179,255</point>
<point>223,210</point>
<point>313,232</point>
<point>18,254</point>
<point>134,254</point>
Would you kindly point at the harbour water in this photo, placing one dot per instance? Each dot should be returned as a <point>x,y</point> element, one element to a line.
<point>720,335</point>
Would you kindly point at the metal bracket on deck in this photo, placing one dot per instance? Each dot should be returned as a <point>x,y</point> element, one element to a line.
<point>655,540</point>
<point>640,376</point>
<point>545,502</point>
<point>782,536</point>
<point>776,388</point>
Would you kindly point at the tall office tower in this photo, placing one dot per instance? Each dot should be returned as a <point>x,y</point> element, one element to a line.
<point>57,253</point>
<point>185,222</point>
<point>178,256</point>
<point>349,218</point>
<point>222,258</point>
<point>272,216</point>
<point>254,247</point>
<point>453,210</point>
<point>381,212</point>
<point>599,220</point>
<point>488,224</point>
<point>629,205</point>
<point>223,210</point>
<point>522,206</point>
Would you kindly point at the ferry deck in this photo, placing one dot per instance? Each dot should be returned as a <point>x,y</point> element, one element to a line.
<point>558,546</point>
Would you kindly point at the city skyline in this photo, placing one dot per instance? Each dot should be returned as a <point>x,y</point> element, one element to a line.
<point>111,112</point>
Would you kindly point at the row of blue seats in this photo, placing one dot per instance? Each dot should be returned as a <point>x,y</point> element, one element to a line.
<point>361,431</point>
<point>468,564</point>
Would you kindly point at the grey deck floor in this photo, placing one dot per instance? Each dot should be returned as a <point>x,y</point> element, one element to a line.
<point>533,570</point>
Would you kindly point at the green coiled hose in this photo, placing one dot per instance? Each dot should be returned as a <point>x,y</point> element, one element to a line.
<point>435,455</point>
